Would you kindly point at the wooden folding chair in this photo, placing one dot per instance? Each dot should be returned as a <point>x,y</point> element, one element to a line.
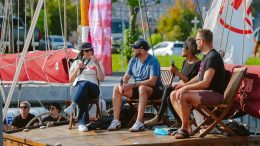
<point>167,78</point>
<point>219,112</point>
<point>73,117</point>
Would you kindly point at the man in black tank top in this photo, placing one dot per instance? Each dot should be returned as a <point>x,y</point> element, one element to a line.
<point>206,88</point>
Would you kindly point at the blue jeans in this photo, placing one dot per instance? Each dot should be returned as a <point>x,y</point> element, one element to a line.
<point>84,91</point>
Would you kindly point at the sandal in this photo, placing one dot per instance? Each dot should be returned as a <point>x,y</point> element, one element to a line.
<point>182,134</point>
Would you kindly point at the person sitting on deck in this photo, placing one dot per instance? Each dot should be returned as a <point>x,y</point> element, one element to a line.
<point>206,88</point>
<point>190,68</point>
<point>85,75</point>
<point>145,70</point>
<point>24,118</point>
<point>55,109</point>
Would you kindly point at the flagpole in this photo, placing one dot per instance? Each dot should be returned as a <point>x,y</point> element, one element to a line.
<point>84,8</point>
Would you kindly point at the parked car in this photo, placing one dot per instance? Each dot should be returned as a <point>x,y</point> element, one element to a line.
<point>37,34</point>
<point>55,41</point>
<point>118,25</point>
<point>167,48</point>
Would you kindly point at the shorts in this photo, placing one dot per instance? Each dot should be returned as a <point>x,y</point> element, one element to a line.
<point>210,97</point>
<point>157,93</point>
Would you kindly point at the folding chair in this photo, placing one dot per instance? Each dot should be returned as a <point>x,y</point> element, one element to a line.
<point>167,78</point>
<point>219,112</point>
<point>73,117</point>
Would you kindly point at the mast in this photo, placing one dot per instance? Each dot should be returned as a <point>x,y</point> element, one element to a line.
<point>84,8</point>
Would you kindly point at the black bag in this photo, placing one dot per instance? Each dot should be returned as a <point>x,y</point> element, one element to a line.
<point>102,123</point>
<point>239,129</point>
<point>126,115</point>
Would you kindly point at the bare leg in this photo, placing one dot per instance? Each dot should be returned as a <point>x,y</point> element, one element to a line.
<point>144,93</point>
<point>175,103</point>
<point>117,100</point>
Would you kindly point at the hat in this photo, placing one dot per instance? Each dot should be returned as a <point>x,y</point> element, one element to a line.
<point>140,44</point>
<point>85,46</point>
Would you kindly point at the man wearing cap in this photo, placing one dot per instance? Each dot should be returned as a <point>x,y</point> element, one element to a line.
<point>145,70</point>
<point>85,75</point>
<point>24,118</point>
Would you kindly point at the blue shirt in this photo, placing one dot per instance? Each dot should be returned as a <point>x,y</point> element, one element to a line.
<point>257,34</point>
<point>141,71</point>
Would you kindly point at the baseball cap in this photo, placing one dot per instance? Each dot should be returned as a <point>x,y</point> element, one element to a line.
<point>140,44</point>
<point>85,46</point>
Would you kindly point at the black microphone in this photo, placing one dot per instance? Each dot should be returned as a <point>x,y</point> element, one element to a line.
<point>83,60</point>
<point>172,64</point>
<point>121,83</point>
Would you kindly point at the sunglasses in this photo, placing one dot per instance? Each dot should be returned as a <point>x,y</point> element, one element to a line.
<point>88,50</point>
<point>52,108</point>
<point>25,107</point>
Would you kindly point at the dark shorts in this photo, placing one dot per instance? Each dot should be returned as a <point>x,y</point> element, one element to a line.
<point>157,93</point>
<point>210,97</point>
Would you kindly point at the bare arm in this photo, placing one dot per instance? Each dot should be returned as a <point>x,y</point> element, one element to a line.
<point>205,83</point>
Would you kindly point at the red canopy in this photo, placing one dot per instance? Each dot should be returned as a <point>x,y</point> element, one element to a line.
<point>39,66</point>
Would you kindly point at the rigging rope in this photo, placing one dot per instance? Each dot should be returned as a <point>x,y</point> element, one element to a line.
<point>148,24</point>
<point>4,25</point>
<point>25,48</point>
<point>141,14</point>
<point>244,15</point>
<point>46,30</point>
<point>222,34</point>
<point>201,17</point>
<point>18,25</point>
<point>60,20</point>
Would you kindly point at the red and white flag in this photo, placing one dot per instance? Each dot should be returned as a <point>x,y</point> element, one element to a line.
<point>100,13</point>
<point>232,27</point>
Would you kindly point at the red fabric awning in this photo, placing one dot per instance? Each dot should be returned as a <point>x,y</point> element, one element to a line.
<point>39,66</point>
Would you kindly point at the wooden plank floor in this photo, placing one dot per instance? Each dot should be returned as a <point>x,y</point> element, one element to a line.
<point>62,135</point>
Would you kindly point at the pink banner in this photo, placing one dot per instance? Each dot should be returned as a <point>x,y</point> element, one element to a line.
<point>100,31</point>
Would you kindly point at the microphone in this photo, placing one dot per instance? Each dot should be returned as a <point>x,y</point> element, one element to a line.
<point>121,83</point>
<point>172,64</point>
<point>83,60</point>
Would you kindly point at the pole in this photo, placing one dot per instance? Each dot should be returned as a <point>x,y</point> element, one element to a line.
<point>84,8</point>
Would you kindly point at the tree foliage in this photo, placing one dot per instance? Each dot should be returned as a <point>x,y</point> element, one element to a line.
<point>176,23</point>
<point>53,17</point>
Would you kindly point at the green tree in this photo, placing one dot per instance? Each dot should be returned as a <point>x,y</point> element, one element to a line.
<point>132,34</point>
<point>176,23</point>
<point>53,17</point>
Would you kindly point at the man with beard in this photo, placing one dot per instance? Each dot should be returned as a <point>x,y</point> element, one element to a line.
<point>145,70</point>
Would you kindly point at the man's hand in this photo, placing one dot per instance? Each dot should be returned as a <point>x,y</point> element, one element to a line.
<point>180,92</point>
<point>126,87</point>
<point>177,86</point>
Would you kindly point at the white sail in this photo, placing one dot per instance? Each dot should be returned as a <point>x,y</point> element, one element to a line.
<point>231,24</point>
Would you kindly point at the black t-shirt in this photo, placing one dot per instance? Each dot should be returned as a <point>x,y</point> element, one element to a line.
<point>190,70</point>
<point>51,119</point>
<point>213,60</point>
<point>19,122</point>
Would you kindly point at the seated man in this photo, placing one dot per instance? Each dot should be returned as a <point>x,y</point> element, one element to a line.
<point>145,70</point>
<point>190,68</point>
<point>24,118</point>
<point>206,88</point>
<point>54,116</point>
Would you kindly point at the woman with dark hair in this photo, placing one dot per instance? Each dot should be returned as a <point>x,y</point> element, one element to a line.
<point>85,75</point>
<point>190,68</point>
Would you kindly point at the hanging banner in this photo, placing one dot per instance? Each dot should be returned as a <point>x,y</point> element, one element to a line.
<point>100,31</point>
<point>231,24</point>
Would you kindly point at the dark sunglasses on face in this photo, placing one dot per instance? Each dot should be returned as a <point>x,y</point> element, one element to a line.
<point>52,108</point>
<point>88,50</point>
<point>25,107</point>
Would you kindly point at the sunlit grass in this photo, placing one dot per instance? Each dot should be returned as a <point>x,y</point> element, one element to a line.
<point>164,61</point>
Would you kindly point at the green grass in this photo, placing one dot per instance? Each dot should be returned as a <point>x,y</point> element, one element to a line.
<point>165,61</point>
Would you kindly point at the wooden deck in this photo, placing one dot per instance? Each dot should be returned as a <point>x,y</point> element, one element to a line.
<point>63,136</point>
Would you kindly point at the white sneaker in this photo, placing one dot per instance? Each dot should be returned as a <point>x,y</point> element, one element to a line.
<point>82,128</point>
<point>138,126</point>
<point>69,110</point>
<point>115,124</point>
